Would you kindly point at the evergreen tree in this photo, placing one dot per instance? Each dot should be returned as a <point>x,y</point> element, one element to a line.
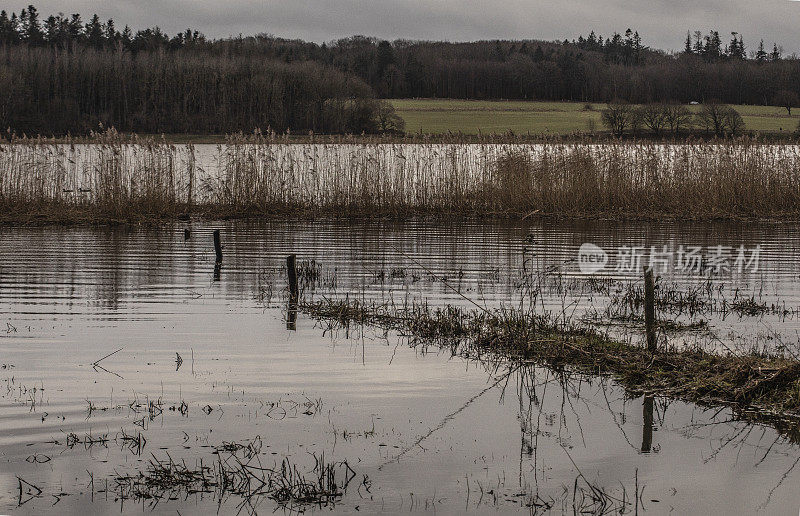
<point>52,29</point>
<point>8,29</point>
<point>75,29</point>
<point>776,53</point>
<point>112,36</point>
<point>637,48</point>
<point>761,55</point>
<point>698,42</point>
<point>94,32</point>
<point>31,29</point>
<point>127,37</point>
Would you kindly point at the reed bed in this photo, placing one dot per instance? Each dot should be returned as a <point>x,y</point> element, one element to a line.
<point>123,178</point>
<point>113,178</point>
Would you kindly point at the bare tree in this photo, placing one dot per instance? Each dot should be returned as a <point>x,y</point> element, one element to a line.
<point>635,120</point>
<point>786,99</point>
<point>712,117</point>
<point>720,118</point>
<point>677,117</point>
<point>654,117</point>
<point>617,116</point>
<point>734,123</point>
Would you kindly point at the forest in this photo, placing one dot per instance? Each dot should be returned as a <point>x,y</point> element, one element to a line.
<point>60,78</point>
<point>63,74</point>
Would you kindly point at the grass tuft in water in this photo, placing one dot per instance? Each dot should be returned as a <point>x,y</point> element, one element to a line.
<point>760,381</point>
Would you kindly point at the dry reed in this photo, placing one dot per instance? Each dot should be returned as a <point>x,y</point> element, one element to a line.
<point>129,178</point>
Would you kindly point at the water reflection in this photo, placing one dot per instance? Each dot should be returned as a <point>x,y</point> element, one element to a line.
<point>647,425</point>
<point>423,427</point>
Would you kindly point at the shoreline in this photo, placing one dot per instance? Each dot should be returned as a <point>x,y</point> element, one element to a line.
<point>507,137</point>
<point>61,217</point>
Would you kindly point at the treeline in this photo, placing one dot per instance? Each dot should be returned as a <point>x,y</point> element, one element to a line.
<point>64,72</point>
<point>79,84</point>
<point>70,32</point>
<point>710,48</point>
<point>50,91</point>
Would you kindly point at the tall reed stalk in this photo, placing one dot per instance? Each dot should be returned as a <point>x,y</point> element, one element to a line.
<point>116,177</point>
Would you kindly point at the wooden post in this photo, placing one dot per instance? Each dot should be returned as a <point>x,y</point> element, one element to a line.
<point>650,310</point>
<point>291,269</point>
<point>186,234</point>
<point>217,246</point>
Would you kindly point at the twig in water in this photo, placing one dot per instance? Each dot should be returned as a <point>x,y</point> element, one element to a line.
<point>96,364</point>
<point>447,284</point>
<point>449,417</point>
<point>105,357</point>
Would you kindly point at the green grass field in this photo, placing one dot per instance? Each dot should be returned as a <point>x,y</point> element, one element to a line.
<point>436,116</point>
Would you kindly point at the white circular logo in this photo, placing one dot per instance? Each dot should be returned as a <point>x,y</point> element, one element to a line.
<point>591,258</point>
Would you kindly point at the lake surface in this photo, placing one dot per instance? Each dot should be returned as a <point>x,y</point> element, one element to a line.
<point>199,362</point>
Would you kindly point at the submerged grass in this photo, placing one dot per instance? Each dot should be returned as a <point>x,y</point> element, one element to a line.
<point>755,381</point>
<point>124,178</point>
<point>239,471</point>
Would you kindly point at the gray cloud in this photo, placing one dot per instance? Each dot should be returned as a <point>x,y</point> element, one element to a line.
<point>662,23</point>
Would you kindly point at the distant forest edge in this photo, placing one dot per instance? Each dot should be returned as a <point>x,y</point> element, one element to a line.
<point>62,75</point>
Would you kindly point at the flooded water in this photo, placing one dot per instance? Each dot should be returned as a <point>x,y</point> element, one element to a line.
<point>124,349</point>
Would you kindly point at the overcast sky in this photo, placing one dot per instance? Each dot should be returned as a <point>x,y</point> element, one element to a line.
<point>662,23</point>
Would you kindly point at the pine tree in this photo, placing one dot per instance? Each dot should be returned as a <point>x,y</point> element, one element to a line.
<point>761,55</point>
<point>13,24</point>
<point>8,33</point>
<point>31,30</point>
<point>732,49</point>
<point>127,37</point>
<point>112,36</point>
<point>698,42</point>
<point>776,53</point>
<point>52,29</point>
<point>637,47</point>
<point>75,30</point>
<point>94,32</point>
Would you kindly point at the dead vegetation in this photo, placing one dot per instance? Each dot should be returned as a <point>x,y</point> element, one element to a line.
<point>240,472</point>
<point>126,178</point>
<point>754,381</point>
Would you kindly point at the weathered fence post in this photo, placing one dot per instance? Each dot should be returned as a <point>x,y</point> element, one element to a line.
<point>217,246</point>
<point>650,310</point>
<point>291,269</point>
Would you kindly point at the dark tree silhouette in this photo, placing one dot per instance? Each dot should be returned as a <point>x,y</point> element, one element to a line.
<point>786,99</point>
<point>589,69</point>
